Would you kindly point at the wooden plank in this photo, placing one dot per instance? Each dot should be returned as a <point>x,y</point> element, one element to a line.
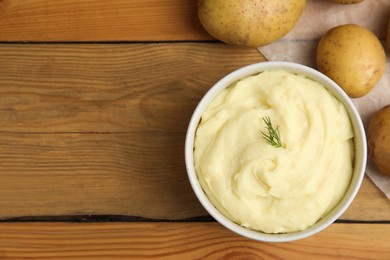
<point>91,20</point>
<point>132,174</point>
<point>184,241</point>
<point>109,88</point>
<point>369,204</point>
<point>137,174</point>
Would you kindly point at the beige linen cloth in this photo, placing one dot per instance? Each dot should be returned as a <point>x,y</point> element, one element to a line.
<point>300,46</point>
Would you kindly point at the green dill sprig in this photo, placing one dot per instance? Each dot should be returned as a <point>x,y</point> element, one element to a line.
<point>273,135</point>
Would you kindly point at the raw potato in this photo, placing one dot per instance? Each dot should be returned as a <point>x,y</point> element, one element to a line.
<point>378,140</point>
<point>251,23</point>
<point>353,57</point>
<point>346,2</point>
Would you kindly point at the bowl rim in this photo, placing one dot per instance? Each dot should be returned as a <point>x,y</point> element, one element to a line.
<point>359,144</point>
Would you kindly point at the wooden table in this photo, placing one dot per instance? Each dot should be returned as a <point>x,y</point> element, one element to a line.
<point>95,98</point>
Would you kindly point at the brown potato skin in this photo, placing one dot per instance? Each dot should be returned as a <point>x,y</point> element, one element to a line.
<point>346,2</point>
<point>378,140</point>
<point>249,23</point>
<point>388,34</point>
<point>353,57</point>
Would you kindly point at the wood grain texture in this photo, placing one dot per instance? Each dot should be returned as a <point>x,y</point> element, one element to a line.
<point>95,174</point>
<point>99,129</point>
<point>98,20</point>
<point>83,132</point>
<point>369,204</point>
<point>109,88</point>
<point>184,241</point>
<point>136,174</point>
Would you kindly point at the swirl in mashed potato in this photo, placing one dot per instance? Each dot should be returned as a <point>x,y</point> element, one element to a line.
<point>272,189</point>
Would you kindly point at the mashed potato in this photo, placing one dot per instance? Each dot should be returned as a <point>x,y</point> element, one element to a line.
<point>272,189</point>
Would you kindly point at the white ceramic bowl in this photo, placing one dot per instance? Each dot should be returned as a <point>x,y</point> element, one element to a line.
<point>359,142</point>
